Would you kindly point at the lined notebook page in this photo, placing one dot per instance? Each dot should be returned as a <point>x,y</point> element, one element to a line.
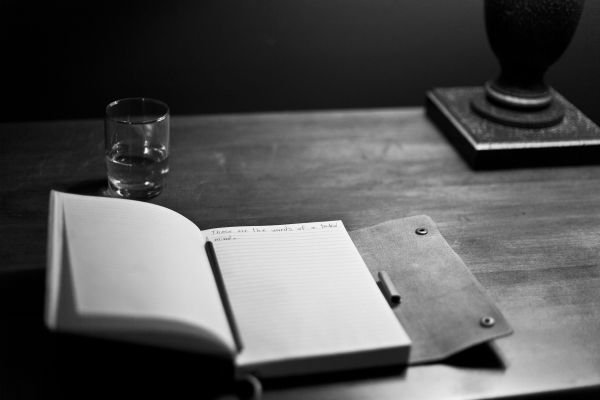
<point>300,291</point>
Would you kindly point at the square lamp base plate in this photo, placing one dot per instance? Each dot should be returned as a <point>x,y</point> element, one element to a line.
<point>488,145</point>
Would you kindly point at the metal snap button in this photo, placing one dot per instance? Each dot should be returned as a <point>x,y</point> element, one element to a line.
<point>487,322</point>
<point>421,231</point>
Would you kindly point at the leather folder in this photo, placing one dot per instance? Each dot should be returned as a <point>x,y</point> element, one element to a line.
<point>443,308</point>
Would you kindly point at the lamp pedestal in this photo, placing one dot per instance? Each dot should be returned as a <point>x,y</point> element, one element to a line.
<point>517,119</point>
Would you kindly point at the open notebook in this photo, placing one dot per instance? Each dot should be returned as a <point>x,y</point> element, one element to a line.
<point>301,299</point>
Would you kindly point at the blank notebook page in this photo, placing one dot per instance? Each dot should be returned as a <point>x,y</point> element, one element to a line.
<point>302,290</point>
<point>134,261</point>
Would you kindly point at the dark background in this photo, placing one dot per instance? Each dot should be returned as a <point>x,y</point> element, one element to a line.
<point>69,59</point>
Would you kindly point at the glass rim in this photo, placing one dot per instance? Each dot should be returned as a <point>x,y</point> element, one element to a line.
<point>114,103</point>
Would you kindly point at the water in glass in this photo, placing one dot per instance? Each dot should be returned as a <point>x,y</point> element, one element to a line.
<point>137,170</point>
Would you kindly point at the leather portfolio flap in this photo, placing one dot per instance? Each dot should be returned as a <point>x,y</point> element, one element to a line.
<point>444,309</point>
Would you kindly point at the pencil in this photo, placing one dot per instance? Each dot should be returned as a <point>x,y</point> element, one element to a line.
<point>390,291</point>
<point>214,264</point>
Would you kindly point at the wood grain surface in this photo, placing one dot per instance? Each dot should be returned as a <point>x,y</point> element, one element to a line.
<point>531,236</point>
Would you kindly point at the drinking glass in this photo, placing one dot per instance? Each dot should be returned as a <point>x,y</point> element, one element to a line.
<point>136,147</point>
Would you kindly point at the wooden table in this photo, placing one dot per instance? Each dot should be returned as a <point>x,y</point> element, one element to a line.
<point>531,236</point>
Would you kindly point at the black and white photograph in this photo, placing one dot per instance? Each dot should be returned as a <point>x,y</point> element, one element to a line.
<point>300,199</point>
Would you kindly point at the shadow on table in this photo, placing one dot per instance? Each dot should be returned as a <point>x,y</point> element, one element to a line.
<point>483,356</point>
<point>90,187</point>
<point>36,362</point>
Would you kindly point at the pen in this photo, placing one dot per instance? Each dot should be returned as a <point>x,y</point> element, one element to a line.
<point>389,289</point>
<point>214,264</point>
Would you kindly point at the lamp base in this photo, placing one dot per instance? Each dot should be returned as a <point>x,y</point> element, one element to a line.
<point>489,145</point>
